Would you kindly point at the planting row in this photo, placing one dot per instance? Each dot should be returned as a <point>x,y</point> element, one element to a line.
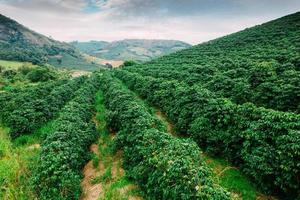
<point>11,100</point>
<point>259,65</point>
<point>28,110</point>
<point>266,84</point>
<point>164,167</point>
<point>264,143</point>
<point>64,151</point>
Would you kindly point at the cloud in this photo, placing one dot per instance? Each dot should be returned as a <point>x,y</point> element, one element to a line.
<point>193,21</point>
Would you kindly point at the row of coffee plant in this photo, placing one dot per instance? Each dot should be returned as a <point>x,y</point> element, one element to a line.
<point>64,151</point>
<point>164,167</point>
<point>260,65</point>
<point>11,100</point>
<point>263,142</point>
<point>27,112</point>
<point>267,84</point>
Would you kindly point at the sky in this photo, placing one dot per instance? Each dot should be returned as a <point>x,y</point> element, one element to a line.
<point>192,21</point>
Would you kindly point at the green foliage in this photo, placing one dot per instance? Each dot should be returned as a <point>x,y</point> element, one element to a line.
<point>231,178</point>
<point>18,74</point>
<point>163,166</point>
<point>63,152</point>
<point>16,162</point>
<point>40,74</point>
<point>67,61</point>
<point>129,63</point>
<point>258,65</point>
<point>28,110</point>
<point>95,160</point>
<point>252,138</point>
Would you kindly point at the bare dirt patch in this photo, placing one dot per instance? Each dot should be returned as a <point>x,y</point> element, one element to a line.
<point>114,63</point>
<point>91,191</point>
<point>34,146</point>
<point>265,197</point>
<point>170,127</point>
<point>78,73</point>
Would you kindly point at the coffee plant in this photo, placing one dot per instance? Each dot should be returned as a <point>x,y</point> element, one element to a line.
<point>64,151</point>
<point>163,166</point>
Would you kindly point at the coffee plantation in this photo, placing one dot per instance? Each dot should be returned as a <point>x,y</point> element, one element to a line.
<point>217,121</point>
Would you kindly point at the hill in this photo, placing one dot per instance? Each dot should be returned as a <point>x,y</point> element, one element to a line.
<point>130,49</point>
<point>216,121</point>
<point>238,98</point>
<point>19,43</point>
<point>259,65</point>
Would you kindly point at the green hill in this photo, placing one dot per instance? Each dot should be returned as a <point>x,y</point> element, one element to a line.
<point>19,43</point>
<point>130,49</point>
<point>238,98</point>
<point>259,65</point>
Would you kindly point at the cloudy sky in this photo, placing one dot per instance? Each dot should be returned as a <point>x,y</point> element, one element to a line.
<point>193,21</point>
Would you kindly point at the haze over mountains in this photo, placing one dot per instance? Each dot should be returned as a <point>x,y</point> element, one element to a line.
<point>130,49</point>
<point>19,43</point>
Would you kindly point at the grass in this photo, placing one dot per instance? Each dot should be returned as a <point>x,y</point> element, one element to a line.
<point>95,160</point>
<point>120,189</point>
<point>7,84</point>
<point>17,159</point>
<point>112,178</point>
<point>15,168</point>
<point>105,177</point>
<point>231,178</point>
<point>14,64</point>
<point>36,136</point>
<point>70,62</point>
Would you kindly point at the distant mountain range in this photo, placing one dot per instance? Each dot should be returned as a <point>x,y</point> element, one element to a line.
<point>19,43</point>
<point>130,49</point>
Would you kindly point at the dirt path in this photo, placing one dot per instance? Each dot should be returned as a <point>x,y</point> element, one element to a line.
<point>225,175</point>
<point>91,191</point>
<point>163,117</point>
<point>34,146</point>
<point>104,177</point>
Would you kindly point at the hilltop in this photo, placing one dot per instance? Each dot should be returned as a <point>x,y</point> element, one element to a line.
<point>130,49</point>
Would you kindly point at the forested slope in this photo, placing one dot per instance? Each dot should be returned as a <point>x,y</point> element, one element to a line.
<point>259,65</point>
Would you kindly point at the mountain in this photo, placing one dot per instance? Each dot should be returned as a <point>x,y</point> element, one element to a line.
<point>130,49</point>
<point>19,43</point>
<point>259,65</point>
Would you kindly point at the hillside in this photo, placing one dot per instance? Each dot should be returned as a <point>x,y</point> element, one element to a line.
<point>218,121</point>
<point>238,98</point>
<point>259,65</point>
<point>130,49</point>
<point>19,43</point>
